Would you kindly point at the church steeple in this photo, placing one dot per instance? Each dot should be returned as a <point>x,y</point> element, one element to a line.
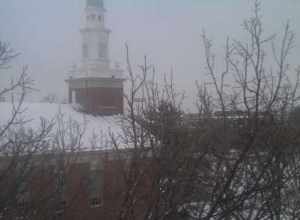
<point>96,87</point>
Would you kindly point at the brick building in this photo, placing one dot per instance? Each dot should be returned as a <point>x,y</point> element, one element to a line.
<point>83,185</point>
<point>87,183</point>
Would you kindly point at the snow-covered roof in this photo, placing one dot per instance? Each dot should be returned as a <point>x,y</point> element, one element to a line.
<point>96,130</point>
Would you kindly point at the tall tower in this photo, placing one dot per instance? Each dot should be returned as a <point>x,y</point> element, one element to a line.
<point>95,86</point>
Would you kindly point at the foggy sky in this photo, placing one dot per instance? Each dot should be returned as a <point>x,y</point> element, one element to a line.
<point>46,33</point>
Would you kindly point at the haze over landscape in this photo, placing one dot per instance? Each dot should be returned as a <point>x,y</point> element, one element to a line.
<point>93,125</point>
<point>46,33</point>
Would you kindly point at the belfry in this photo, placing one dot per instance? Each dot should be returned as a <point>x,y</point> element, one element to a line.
<point>95,86</point>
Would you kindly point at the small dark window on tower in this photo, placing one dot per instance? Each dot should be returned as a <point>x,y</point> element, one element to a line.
<point>85,51</point>
<point>100,18</point>
<point>101,50</point>
<point>93,17</point>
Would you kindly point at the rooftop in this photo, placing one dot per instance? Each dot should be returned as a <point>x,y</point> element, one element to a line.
<point>96,130</point>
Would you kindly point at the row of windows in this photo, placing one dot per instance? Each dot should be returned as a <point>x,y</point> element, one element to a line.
<point>94,202</point>
<point>102,50</point>
<point>93,17</point>
<point>93,182</point>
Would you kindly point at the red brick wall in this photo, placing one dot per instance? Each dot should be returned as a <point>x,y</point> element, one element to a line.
<point>103,101</point>
<point>77,197</point>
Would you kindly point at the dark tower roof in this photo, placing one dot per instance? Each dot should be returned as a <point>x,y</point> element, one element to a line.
<point>95,3</point>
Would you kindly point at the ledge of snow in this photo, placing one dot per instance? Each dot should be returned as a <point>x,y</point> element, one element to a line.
<point>96,130</point>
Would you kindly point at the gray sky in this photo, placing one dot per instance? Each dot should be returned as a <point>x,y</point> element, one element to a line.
<point>46,32</point>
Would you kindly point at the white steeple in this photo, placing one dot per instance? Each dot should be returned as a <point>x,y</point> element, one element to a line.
<point>95,86</point>
<point>95,42</point>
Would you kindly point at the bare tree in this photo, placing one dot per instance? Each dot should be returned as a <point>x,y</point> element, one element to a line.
<point>33,161</point>
<point>237,158</point>
<point>250,176</point>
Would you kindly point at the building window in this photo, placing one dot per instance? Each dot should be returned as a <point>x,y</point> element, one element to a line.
<point>23,196</point>
<point>60,190</point>
<point>99,18</point>
<point>85,51</point>
<point>61,206</point>
<point>23,199</point>
<point>95,202</point>
<point>95,185</point>
<point>102,50</point>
